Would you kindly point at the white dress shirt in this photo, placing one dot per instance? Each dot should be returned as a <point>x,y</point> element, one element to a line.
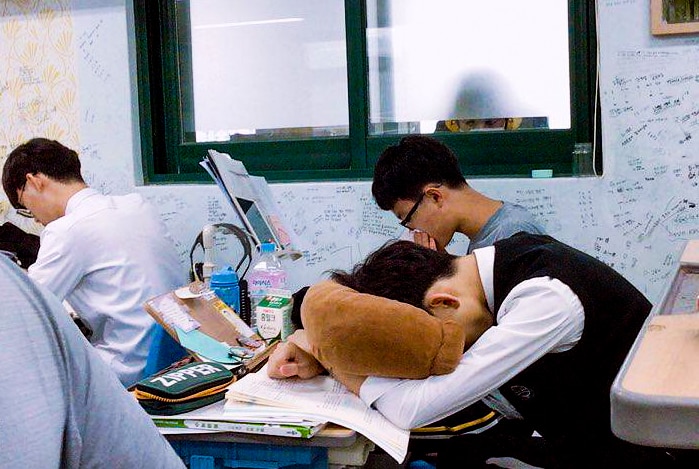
<point>539,316</point>
<point>106,257</point>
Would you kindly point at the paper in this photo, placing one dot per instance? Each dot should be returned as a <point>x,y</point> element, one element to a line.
<point>205,346</point>
<point>175,314</point>
<point>321,397</point>
<point>207,326</point>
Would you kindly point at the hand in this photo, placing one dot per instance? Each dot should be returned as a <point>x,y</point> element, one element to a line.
<point>424,239</point>
<point>289,360</point>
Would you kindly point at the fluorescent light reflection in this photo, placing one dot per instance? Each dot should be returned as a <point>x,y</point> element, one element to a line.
<point>248,23</point>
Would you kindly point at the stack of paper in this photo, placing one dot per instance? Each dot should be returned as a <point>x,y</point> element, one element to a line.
<point>213,418</point>
<point>319,398</point>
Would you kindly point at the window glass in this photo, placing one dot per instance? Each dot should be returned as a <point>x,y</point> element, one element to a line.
<point>317,89</point>
<point>462,65</point>
<point>263,69</point>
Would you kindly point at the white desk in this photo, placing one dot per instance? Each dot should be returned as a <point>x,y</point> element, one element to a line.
<point>655,396</point>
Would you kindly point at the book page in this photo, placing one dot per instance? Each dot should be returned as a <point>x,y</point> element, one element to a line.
<point>321,397</point>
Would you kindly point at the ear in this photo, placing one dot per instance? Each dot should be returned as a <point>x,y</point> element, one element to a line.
<point>441,302</point>
<point>435,194</point>
<point>37,180</point>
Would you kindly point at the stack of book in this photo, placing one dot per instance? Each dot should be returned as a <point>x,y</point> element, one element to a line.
<point>318,399</point>
<point>248,419</point>
<point>297,408</point>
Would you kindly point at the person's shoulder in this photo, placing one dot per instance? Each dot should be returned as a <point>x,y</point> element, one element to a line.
<point>132,204</point>
<point>515,218</point>
<point>130,199</point>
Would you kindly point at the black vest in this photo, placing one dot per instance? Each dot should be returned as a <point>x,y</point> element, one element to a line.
<point>565,396</point>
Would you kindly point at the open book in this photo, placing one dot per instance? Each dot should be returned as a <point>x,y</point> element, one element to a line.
<point>319,398</point>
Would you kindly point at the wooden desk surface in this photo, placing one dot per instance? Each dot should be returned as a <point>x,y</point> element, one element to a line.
<point>667,360</point>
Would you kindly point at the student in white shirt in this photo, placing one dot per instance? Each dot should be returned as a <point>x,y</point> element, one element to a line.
<point>61,406</point>
<point>546,324</point>
<point>105,255</point>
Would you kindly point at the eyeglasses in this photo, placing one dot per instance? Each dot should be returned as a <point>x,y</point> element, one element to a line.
<point>404,222</point>
<point>23,212</point>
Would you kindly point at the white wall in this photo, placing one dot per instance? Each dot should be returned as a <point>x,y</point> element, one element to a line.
<point>635,218</point>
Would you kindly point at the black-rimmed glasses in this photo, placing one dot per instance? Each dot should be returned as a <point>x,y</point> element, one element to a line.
<point>404,222</point>
<point>23,212</point>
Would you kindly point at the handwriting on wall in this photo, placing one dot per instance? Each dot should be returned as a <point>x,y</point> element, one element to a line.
<point>635,218</point>
<point>652,112</point>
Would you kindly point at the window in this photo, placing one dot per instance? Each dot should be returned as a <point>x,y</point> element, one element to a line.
<point>316,89</point>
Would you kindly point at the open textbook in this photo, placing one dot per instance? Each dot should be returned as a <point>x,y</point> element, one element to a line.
<point>252,200</point>
<point>319,398</point>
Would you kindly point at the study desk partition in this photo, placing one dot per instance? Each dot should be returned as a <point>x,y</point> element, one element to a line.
<point>332,446</point>
<point>655,396</point>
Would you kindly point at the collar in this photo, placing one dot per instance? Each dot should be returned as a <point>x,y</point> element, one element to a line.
<point>77,198</point>
<point>485,260</point>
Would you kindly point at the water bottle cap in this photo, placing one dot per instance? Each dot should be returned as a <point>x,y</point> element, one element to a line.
<point>227,275</point>
<point>268,247</point>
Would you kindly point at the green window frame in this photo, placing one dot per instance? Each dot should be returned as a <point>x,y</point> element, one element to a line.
<point>496,154</point>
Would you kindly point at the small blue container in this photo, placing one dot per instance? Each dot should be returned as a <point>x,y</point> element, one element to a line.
<point>225,284</point>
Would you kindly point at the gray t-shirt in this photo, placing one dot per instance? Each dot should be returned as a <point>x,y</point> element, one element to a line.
<point>61,405</point>
<point>508,220</point>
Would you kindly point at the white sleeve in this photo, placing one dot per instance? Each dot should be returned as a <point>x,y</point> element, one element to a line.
<point>539,316</point>
<point>59,265</point>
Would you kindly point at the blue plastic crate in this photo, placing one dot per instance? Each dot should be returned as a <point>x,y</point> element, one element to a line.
<point>219,455</point>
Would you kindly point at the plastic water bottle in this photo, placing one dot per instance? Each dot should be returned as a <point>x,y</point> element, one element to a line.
<point>266,274</point>
<point>225,284</point>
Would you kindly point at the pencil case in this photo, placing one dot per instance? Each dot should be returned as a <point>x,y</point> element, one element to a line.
<point>186,388</point>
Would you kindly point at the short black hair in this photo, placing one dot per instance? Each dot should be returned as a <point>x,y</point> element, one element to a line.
<point>39,155</point>
<point>399,270</point>
<point>403,170</point>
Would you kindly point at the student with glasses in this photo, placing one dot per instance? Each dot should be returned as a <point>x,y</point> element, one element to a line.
<point>105,255</point>
<point>420,181</point>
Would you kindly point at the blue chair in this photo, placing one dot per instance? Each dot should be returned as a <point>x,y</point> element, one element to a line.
<point>164,351</point>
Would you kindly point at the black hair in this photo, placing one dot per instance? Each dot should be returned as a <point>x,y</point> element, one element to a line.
<point>403,170</point>
<point>39,155</point>
<point>399,270</point>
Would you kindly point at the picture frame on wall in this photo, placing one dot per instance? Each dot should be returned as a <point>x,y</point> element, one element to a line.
<point>668,17</point>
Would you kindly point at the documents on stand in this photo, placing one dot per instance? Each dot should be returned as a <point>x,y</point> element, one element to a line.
<point>321,398</point>
<point>207,327</point>
<point>252,200</point>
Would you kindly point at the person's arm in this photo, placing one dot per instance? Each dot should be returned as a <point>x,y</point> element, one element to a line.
<point>539,316</point>
<point>63,406</point>
<point>59,265</point>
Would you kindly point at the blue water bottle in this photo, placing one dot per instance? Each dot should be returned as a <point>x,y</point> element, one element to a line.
<point>225,284</point>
